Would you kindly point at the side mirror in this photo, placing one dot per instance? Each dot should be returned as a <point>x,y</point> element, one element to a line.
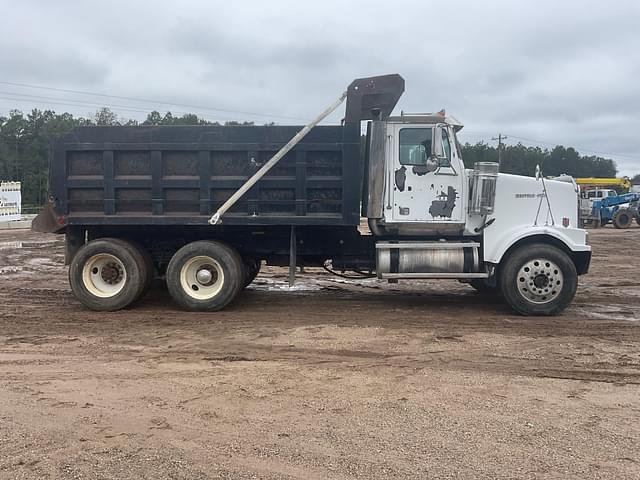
<point>436,144</point>
<point>437,149</point>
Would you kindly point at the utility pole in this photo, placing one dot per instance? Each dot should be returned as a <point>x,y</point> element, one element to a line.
<point>500,138</point>
<point>19,134</point>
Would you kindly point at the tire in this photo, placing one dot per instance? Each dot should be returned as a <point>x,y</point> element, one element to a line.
<point>622,218</point>
<point>251,269</point>
<point>481,286</point>
<point>107,274</point>
<point>538,279</point>
<point>205,276</point>
<point>149,265</point>
<point>638,219</point>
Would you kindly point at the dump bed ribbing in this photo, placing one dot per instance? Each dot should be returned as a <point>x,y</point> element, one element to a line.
<point>181,175</point>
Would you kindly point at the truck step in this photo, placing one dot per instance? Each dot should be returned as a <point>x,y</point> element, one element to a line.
<point>443,275</point>
<point>426,245</point>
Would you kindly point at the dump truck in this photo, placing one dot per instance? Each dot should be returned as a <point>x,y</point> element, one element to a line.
<point>203,207</point>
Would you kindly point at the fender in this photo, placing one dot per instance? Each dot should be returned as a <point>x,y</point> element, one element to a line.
<point>574,239</point>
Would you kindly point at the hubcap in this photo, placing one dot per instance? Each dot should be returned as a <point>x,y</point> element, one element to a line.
<point>201,277</point>
<point>204,276</point>
<point>540,281</point>
<point>104,275</point>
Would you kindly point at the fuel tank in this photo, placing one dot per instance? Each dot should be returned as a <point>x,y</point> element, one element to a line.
<point>426,257</point>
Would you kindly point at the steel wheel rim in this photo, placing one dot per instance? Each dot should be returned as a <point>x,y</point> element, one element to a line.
<point>540,281</point>
<point>104,275</point>
<point>201,277</point>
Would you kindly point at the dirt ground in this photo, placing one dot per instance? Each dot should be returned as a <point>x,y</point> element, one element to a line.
<point>331,380</point>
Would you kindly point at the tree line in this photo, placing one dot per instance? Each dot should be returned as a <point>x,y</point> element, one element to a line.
<point>25,140</point>
<point>522,160</point>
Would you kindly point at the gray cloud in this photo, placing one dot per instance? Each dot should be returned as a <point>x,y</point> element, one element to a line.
<point>556,72</point>
<point>28,64</point>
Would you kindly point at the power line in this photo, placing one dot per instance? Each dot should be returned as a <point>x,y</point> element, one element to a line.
<point>100,105</point>
<point>79,103</point>
<point>24,98</point>
<point>148,100</point>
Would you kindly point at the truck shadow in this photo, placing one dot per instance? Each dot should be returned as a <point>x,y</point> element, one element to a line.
<point>459,311</point>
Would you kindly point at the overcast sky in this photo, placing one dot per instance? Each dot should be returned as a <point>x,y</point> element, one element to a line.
<point>541,72</point>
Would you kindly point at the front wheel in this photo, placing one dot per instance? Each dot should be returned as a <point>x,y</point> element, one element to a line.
<point>622,218</point>
<point>205,276</point>
<point>538,279</point>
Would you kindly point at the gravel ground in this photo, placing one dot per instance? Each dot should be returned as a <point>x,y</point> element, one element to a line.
<point>331,380</point>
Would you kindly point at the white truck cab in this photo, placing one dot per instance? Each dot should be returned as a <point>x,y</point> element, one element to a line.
<point>437,219</point>
<point>425,190</point>
<point>597,194</point>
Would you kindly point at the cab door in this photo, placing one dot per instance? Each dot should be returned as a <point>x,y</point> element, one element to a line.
<point>424,188</point>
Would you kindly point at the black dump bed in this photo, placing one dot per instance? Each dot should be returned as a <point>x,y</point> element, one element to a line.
<point>181,175</point>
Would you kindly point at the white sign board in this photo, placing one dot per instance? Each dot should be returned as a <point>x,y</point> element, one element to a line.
<point>10,201</point>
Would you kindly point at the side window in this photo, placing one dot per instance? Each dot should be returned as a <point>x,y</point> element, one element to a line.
<point>415,146</point>
<point>599,193</point>
<point>591,193</point>
<point>446,148</point>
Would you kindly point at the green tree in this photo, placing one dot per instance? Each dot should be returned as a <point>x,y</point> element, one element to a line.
<point>153,118</point>
<point>522,160</point>
<point>105,117</point>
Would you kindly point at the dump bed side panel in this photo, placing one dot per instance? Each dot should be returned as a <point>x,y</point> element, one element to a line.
<point>181,175</point>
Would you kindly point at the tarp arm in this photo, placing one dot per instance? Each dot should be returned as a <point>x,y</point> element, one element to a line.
<point>215,219</point>
<point>367,98</point>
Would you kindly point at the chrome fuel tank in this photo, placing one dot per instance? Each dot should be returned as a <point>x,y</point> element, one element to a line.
<point>426,257</point>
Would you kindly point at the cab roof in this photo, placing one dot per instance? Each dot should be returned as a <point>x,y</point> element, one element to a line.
<point>427,118</point>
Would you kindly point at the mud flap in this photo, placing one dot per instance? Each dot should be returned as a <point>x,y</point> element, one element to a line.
<point>293,256</point>
<point>73,241</point>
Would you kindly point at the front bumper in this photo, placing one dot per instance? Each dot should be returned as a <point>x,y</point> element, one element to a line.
<point>582,260</point>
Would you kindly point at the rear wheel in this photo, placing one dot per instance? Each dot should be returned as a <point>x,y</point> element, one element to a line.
<point>205,276</point>
<point>538,279</point>
<point>149,267</point>
<point>108,274</point>
<point>622,218</point>
<point>251,269</point>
